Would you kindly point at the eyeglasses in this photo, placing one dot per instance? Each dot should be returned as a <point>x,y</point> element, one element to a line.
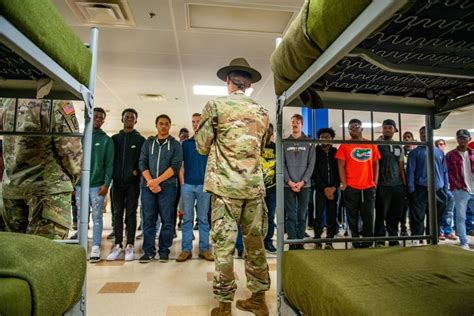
<point>354,126</point>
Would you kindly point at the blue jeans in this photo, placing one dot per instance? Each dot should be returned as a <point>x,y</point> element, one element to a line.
<point>448,217</point>
<point>464,200</point>
<point>191,194</point>
<point>296,206</point>
<point>96,202</point>
<point>161,204</point>
<point>270,200</point>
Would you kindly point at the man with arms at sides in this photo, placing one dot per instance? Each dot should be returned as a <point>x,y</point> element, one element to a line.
<point>390,195</point>
<point>446,228</point>
<point>126,183</point>
<point>417,182</point>
<point>407,137</point>
<point>160,160</point>
<point>358,166</point>
<point>102,165</point>
<point>326,178</point>
<point>232,133</point>
<point>461,179</point>
<point>192,193</point>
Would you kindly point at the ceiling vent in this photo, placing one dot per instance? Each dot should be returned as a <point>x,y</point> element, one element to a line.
<point>152,97</point>
<point>238,19</point>
<point>103,12</point>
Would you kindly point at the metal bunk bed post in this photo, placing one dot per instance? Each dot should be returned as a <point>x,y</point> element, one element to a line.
<point>86,159</point>
<point>430,165</point>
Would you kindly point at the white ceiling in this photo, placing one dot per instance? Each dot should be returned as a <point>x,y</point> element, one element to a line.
<point>162,55</point>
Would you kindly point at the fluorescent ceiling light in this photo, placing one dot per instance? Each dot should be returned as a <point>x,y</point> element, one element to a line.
<point>444,137</point>
<point>215,90</point>
<point>364,124</point>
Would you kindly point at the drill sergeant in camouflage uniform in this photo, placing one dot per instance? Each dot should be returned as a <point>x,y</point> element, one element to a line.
<point>40,171</point>
<point>232,133</point>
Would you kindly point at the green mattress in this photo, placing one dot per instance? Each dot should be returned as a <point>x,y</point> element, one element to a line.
<point>51,275</point>
<point>317,26</point>
<point>41,22</point>
<point>431,280</point>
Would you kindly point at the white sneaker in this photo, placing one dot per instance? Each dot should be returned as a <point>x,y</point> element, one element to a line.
<point>115,253</point>
<point>465,247</point>
<point>129,253</point>
<point>415,243</point>
<point>95,254</point>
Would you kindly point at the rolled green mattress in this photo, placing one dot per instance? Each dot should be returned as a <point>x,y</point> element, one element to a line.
<point>41,22</point>
<point>317,26</point>
<point>430,280</point>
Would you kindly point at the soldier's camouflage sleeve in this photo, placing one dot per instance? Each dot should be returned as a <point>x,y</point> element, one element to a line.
<point>205,134</point>
<point>69,149</point>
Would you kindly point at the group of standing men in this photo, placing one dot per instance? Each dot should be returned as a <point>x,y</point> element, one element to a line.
<point>376,188</point>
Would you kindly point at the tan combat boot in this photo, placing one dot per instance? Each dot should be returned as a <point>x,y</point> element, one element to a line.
<point>255,304</point>
<point>224,309</point>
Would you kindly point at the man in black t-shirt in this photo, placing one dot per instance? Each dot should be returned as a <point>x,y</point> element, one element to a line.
<point>390,195</point>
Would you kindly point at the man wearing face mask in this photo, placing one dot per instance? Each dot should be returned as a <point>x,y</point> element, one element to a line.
<point>126,183</point>
<point>417,183</point>
<point>389,201</point>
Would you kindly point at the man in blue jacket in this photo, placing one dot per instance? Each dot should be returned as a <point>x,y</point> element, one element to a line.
<point>126,183</point>
<point>160,161</point>
<point>417,180</point>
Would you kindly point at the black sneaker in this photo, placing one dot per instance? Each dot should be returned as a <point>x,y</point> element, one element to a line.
<point>111,235</point>
<point>164,257</point>
<point>146,258</point>
<point>270,248</point>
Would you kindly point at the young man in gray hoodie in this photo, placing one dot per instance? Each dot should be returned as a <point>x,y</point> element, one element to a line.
<point>159,163</point>
<point>299,160</point>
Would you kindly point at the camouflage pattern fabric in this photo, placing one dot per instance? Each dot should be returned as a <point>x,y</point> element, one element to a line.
<point>39,166</point>
<point>251,214</point>
<point>232,133</point>
<point>48,216</point>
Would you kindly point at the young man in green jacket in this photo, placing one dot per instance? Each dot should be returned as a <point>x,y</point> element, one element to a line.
<point>102,164</point>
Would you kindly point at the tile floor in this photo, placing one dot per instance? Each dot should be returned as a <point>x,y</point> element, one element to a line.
<point>168,289</point>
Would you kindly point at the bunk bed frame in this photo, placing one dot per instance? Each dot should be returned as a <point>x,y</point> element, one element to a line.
<point>434,107</point>
<point>65,87</point>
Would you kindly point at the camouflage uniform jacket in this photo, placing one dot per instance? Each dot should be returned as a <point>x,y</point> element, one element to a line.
<point>36,166</point>
<point>232,133</point>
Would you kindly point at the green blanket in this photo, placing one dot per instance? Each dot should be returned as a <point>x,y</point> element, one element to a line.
<point>54,272</point>
<point>41,22</point>
<point>317,26</point>
<point>431,280</point>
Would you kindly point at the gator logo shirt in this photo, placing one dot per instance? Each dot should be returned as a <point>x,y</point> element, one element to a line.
<point>359,160</point>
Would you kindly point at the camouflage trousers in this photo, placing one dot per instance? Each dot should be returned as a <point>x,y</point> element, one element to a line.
<point>48,216</point>
<point>251,215</point>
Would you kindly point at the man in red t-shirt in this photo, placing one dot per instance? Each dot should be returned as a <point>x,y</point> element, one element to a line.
<point>359,170</point>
